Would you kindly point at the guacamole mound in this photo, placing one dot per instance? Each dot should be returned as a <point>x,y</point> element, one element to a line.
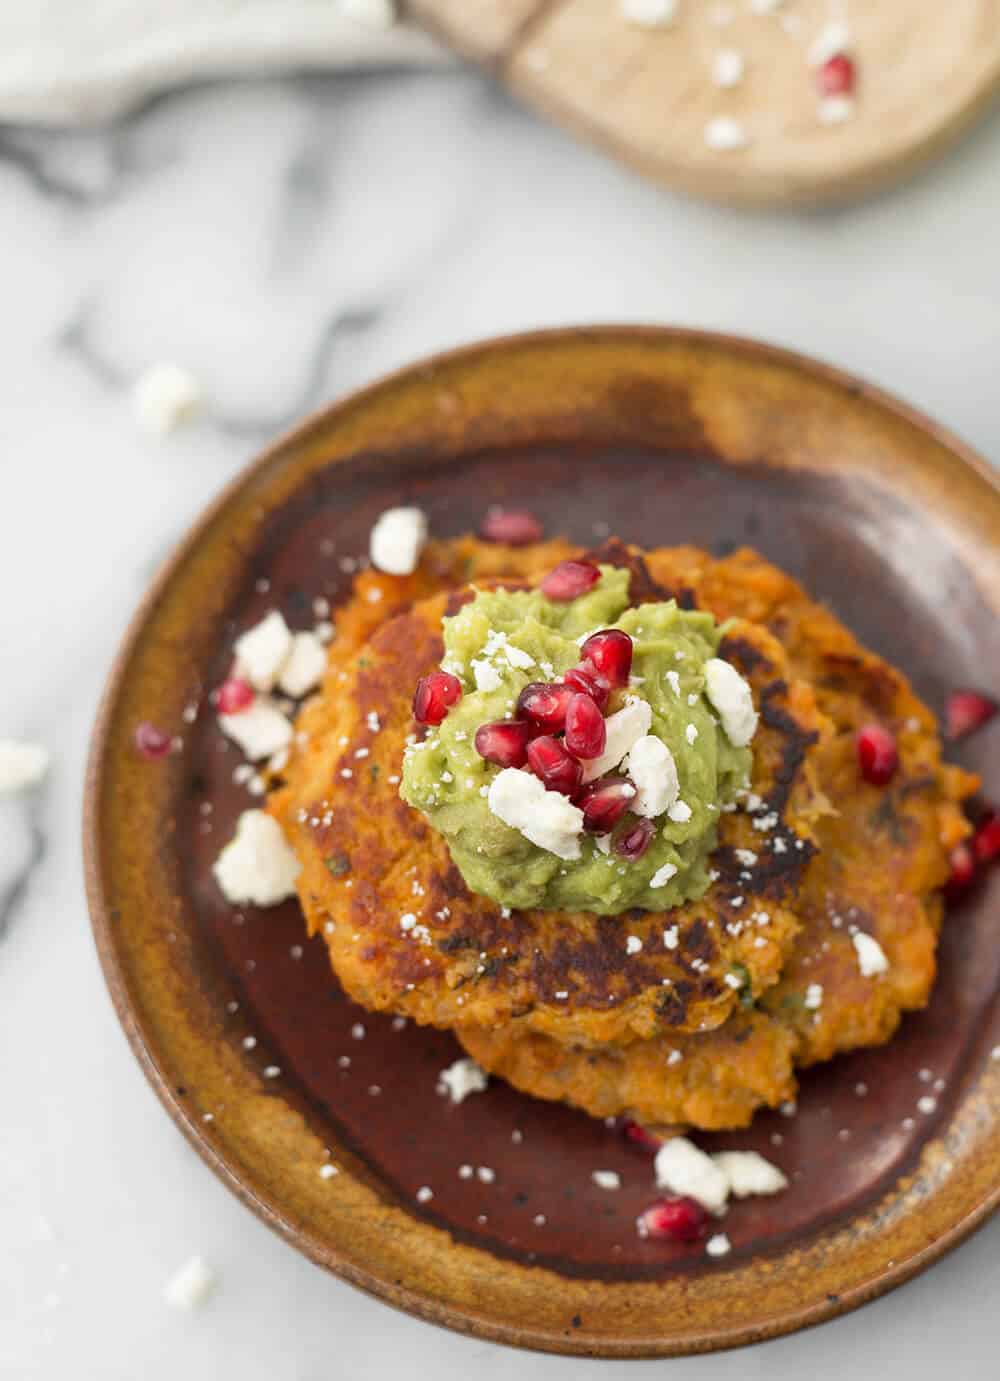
<point>496,645</point>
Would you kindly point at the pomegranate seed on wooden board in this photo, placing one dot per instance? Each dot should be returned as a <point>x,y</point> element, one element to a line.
<point>569,580</point>
<point>640,1136</point>
<point>550,762</point>
<point>967,711</point>
<point>837,76</point>
<point>505,742</point>
<point>515,527</point>
<point>434,697</point>
<point>545,703</point>
<point>635,841</point>
<point>675,1220</point>
<point>587,681</point>
<point>877,755</point>
<point>151,742</point>
<point>604,802</point>
<point>586,735</point>
<point>234,695</point>
<point>610,654</point>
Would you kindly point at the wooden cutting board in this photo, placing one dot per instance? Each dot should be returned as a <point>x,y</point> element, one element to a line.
<point>925,69</point>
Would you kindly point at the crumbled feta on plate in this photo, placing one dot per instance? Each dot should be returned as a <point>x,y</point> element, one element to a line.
<point>462,1078</point>
<point>256,866</point>
<point>21,765</point>
<point>397,539</point>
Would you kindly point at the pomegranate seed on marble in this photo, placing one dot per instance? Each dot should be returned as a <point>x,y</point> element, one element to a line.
<point>505,742</point>
<point>635,841</point>
<point>569,580</point>
<point>545,703</point>
<point>962,862</point>
<point>151,742</point>
<point>434,697</point>
<point>877,755</point>
<point>515,527</point>
<point>968,710</point>
<point>610,654</point>
<point>604,802</point>
<point>986,840</point>
<point>641,1136</point>
<point>587,682</point>
<point>586,734</point>
<point>234,695</point>
<point>836,77</point>
<point>550,762</point>
<point>676,1220</point>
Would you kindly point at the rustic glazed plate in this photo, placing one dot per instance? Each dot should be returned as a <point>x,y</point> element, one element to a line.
<point>660,437</point>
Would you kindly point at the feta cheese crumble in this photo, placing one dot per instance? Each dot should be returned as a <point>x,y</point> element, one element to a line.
<point>719,1245</point>
<point>462,1078</point>
<point>21,765</point>
<point>397,539</point>
<point>731,698</point>
<point>256,866</point>
<point>259,731</point>
<point>191,1286</point>
<point>623,729</point>
<point>633,945</point>
<point>607,1179</point>
<point>304,666</point>
<point>660,879</point>
<point>749,1173</point>
<point>653,772</point>
<point>164,398</point>
<point>871,956</point>
<point>263,650</point>
<point>546,818</point>
<point>682,1168</point>
<point>814,997</point>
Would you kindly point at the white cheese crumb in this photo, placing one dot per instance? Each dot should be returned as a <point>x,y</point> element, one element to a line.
<point>649,14</point>
<point>723,134</point>
<point>397,540</point>
<point>746,856</point>
<point>607,1179</point>
<point>191,1286</point>
<point>603,843</point>
<point>633,945</point>
<point>728,67</point>
<point>660,879</point>
<point>651,767</point>
<point>679,812</point>
<point>165,397</point>
<point>749,1173</point>
<point>486,676</point>
<point>518,657</point>
<point>731,697</point>
<point>257,865</point>
<point>926,1105</point>
<point>424,1194</point>
<point>462,1078</point>
<point>835,110</point>
<point>546,818</point>
<point>21,765</point>
<point>260,731</point>
<point>871,956</point>
<point>485,1175</point>
<point>691,733</point>
<point>670,934</point>
<point>834,38</point>
<point>719,1245</point>
<point>683,1169</point>
<point>304,667</point>
<point>674,682</point>
<point>674,1058</point>
<point>814,997</point>
<point>262,651</point>
<point>327,1172</point>
<point>734,980</point>
<point>624,729</point>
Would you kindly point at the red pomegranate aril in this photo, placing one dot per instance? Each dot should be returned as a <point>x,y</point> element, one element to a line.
<point>635,841</point>
<point>587,682</point>
<point>986,840</point>
<point>234,695</point>
<point>604,802</point>
<point>151,742</point>
<point>962,862</point>
<point>968,710</point>
<point>434,697</point>
<point>515,527</point>
<point>550,762</point>
<point>836,76</point>
<point>569,580</point>
<point>545,703</point>
<point>505,742</point>
<point>610,654</point>
<point>586,734</point>
<point>640,1136</point>
<point>877,755</point>
<point>675,1220</point>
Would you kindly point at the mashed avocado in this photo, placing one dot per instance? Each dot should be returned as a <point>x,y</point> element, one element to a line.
<point>499,643</point>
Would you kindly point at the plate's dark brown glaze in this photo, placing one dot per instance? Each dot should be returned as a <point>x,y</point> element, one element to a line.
<point>660,437</point>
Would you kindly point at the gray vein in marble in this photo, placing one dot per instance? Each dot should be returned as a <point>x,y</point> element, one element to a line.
<point>16,885</point>
<point>82,172</point>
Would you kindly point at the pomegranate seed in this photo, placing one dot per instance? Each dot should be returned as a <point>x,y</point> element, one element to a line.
<point>986,840</point>
<point>505,742</point>
<point>569,580</point>
<point>640,1136</point>
<point>514,526</point>
<point>676,1220</point>
<point>151,742</point>
<point>586,735</point>
<point>234,695</point>
<point>962,861</point>
<point>610,654</point>
<point>434,697</point>
<point>587,682</point>
<point>836,76</point>
<point>545,703</point>
<point>549,761</point>
<point>604,802</point>
<point>877,756</point>
<point>635,841</point>
<point>968,710</point>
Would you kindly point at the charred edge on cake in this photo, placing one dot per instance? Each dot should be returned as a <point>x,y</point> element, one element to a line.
<point>796,742</point>
<point>744,654</point>
<point>642,588</point>
<point>846,672</point>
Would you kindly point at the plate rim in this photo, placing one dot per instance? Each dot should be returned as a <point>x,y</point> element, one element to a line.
<point>128,1008</point>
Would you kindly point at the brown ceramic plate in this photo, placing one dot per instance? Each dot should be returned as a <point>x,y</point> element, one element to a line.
<point>661,437</point>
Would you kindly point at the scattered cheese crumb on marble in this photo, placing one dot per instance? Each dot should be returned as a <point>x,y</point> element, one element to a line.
<point>22,765</point>
<point>164,398</point>
<point>191,1286</point>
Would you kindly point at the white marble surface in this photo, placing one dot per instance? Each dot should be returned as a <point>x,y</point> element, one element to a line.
<point>287,241</point>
